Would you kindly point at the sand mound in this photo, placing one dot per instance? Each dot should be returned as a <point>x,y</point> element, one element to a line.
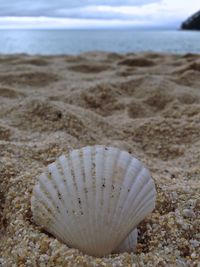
<point>137,62</point>
<point>158,100</point>
<point>166,137</point>
<point>34,62</point>
<point>10,93</point>
<point>4,132</point>
<point>94,97</point>
<point>35,79</point>
<point>147,104</point>
<point>189,78</point>
<point>136,109</point>
<point>88,68</point>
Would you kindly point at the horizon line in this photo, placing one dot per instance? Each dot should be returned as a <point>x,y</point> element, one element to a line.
<point>165,27</point>
<point>69,23</point>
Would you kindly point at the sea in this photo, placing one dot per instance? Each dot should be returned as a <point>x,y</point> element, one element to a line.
<point>57,42</point>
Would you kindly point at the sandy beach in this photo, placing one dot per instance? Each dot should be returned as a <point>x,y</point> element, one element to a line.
<point>147,104</point>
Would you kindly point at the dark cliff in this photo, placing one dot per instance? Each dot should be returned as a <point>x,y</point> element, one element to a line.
<point>192,23</point>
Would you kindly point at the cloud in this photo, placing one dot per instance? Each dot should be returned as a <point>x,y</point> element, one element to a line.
<point>93,13</point>
<point>110,13</point>
<point>69,23</point>
<point>52,8</point>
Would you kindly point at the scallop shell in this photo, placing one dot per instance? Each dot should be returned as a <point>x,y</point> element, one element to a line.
<point>93,198</point>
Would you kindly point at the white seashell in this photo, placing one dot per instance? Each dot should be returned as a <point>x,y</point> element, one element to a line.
<point>93,198</point>
<point>129,244</point>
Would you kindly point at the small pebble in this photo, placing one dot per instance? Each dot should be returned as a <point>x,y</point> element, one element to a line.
<point>193,255</point>
<point>187,213</point>
<point>194,243</point>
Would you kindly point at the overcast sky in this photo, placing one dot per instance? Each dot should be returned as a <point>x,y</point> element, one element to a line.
<point>95,13</point>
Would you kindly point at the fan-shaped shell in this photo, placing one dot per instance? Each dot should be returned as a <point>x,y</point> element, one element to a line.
<point>93,198</point>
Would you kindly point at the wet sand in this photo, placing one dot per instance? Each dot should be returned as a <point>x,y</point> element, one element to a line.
<point>147,104</point>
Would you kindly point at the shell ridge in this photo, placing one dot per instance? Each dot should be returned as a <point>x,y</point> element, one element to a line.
<point>99,157</point>
<point>88,169</point>
<point>109,161</point>
<point>133,195</point>
<point>58,183</point>
<point>79,231</point>
<point>47,189</point>
<point>54,195</point>
<point>39,194</point>
<point>89,190</point>
<point>125,169</point>
<point>114,156</point>
<point>106,195</point>
<point>118,204</point>
<point>84,198</point>
<point>76,174</point>
<point>147,192</point>
<point>42,211</point>
<point>103,181</point>
<point>129,244</point>
<point>107,186</point>
<point>50,209</point>
<point>137,183</point>
<point>74,184</point>
<point>72,220</point>
<point>129,181</point>
<point>63,161</point>
<point>114,185</point>
<point>42,204</point>
<point>148,207</point>
<point>66,202</point>
<point>143,209</point>
<point>50,221</point>
<point>95,207</point>
<point>126,185</point>
<point>137,186</point>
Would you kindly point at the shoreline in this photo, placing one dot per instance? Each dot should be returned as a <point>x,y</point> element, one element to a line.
<point>100,52</point>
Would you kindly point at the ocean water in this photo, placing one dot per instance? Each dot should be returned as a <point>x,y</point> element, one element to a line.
<point>47,42</point>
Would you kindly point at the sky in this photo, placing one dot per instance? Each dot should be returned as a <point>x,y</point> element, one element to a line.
<point>76,14</point>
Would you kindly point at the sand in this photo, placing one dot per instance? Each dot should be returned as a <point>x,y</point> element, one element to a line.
<point>147,104</point>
